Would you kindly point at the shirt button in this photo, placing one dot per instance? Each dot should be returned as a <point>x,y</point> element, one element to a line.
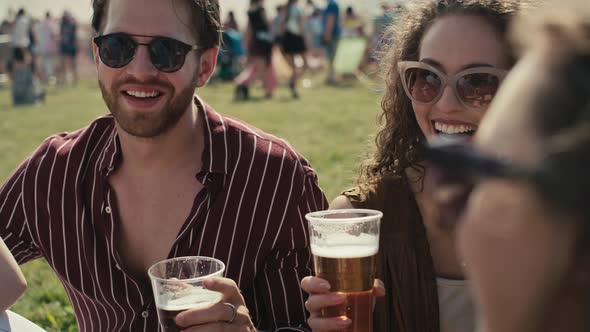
<point>118,266</point>
<point>145,314</point>
<point>107,210</point>
<point>111,168</point>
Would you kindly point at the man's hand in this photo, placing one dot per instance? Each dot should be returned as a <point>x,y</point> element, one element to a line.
<point>320,298</point>
<point>230,314</point>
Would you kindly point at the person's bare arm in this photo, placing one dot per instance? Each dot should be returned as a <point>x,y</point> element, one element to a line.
<point>330,22</point>
<point>247,36</point>
<point>12,280</point>
<point>304,33</point>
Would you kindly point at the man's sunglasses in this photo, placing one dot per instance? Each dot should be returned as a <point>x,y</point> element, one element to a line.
<point>116,50</point>
<point>474,87</point>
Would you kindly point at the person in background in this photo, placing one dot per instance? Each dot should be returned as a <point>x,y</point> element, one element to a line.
<point>523,222</point>
<point>440,76</point>
<point>260,43</point>
<point>388,16</point>
<point>294,42</point>
<point>316,54</point>
<point>25,91</point>
<point>276,25</point>
<point>230,22</point>
<point>332,30</point>
<point>5,50</point>
<point>12,280</point>
<point>47,48</point>
<point>352,24</point>
<point>68,48</point>
<point>312,6</point>
<point>21,31</point>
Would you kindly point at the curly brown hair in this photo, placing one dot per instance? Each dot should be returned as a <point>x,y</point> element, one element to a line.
<point>399,138</point>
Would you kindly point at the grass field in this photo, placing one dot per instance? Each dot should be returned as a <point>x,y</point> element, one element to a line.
<point>332,127</point>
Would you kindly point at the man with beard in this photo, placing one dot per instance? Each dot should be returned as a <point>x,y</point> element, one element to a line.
<point>164,176</point>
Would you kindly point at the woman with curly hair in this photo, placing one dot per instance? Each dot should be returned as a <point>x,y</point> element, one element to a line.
<point>444,64</point>
<point>524,229</point>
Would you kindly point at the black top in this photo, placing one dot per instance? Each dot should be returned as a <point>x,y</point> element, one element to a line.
<point>257,21</point>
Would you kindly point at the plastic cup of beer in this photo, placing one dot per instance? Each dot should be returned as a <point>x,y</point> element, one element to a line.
<point>344,244</point>
<point>178,286</point>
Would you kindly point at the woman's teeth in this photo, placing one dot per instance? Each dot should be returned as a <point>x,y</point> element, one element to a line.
<point>454,129</point>
<point>143,94</point>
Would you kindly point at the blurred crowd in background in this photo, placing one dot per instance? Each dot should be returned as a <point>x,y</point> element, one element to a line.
<point>301,36</point>
<point>37,52</point>
<point>276,47</point>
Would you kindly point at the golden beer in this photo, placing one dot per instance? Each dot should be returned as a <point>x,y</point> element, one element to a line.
<point>351,274</point>
<point>344,244</point>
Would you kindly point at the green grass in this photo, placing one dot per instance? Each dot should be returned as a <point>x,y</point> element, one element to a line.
<point>331,127</point>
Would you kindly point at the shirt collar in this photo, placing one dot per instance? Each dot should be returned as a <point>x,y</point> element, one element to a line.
<point>111,155</point>
<point>215,154</point>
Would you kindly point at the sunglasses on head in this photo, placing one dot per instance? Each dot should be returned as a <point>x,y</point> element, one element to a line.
<point>474,87</point>
<point>116,50</point>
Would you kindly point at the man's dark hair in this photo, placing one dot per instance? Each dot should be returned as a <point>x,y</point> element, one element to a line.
<point>205,23</point>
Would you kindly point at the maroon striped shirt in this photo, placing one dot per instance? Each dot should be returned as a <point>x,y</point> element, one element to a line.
<point>257,189</point>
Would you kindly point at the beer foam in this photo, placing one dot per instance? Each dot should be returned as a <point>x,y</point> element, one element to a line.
<point>194,297</point>
<point>345,245</point>
<point>352,251</point>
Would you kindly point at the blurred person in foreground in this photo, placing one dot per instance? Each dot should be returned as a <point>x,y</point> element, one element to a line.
<point>519,197</point>
<point>164,176</point>
<point>448,61</point>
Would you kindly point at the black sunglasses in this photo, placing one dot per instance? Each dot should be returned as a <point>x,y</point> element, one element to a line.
<point>116,50</point>
<point>457,165</point>
<point>460,159</point>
